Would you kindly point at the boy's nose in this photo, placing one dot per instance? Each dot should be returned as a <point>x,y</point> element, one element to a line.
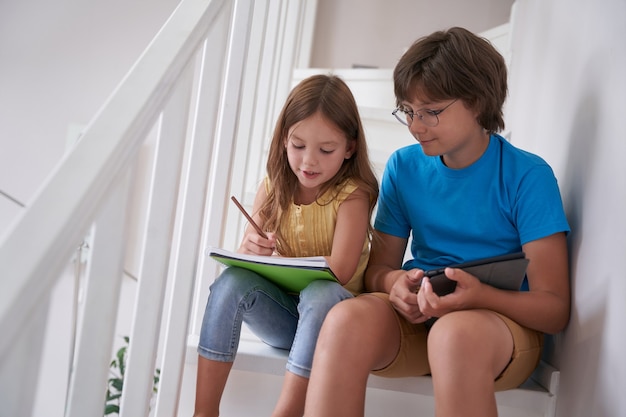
<point>417,127</point>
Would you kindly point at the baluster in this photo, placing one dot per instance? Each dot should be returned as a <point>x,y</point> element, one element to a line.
<point>101,298</point>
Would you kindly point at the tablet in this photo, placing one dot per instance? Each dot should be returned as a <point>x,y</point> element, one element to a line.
<point>506,272</point>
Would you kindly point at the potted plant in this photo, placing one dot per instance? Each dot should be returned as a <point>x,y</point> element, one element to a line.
<point>116,381</point>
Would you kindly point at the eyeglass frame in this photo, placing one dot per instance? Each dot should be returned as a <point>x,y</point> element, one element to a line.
<point>412,114</point>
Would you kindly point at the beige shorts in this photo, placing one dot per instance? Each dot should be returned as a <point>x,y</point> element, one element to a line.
<point>412,358</point>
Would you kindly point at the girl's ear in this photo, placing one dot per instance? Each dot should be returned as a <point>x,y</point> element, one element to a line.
<point>350,149</point>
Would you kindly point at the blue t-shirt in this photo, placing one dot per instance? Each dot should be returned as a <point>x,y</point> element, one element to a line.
<point>508,197</point>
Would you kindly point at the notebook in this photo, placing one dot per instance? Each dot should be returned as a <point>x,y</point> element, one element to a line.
<point>291,274</point>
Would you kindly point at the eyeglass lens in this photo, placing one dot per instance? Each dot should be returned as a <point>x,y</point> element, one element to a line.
<point>404,117</point>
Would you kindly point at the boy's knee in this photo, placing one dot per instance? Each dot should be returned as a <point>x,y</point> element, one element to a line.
<point>342,316</point>
<point>338,324</point>
<point>453,329</point>
<point>463,335</point>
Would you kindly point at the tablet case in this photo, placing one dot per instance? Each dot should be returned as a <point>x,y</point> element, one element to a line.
<point>506,272</point>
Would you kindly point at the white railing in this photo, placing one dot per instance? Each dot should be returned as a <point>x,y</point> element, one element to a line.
<point>171,90</point>
<point>211,81</point>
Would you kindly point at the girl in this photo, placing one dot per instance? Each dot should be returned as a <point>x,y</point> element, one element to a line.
<point>316,200</point>
<point>462,193</point>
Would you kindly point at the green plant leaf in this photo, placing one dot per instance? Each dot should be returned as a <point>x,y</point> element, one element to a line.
<point>121,359</point>
<point>157,376</point>
<point>111,408</point>
<point>111,397</point>
<point>118,384</point>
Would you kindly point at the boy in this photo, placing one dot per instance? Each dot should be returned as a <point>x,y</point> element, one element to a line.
<point>463,193</point>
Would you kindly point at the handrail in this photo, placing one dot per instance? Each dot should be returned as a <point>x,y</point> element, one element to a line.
<point>37,246</point>
<point>91,185</point>
<point>204,87</point>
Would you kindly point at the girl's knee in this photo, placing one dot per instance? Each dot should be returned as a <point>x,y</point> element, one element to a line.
<point>234,280</point>
<point>323,294</point>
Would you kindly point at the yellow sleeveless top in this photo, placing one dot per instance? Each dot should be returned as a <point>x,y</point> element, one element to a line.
<point>309,229</point>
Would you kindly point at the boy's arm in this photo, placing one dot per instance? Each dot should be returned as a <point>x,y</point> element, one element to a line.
<point>385,262</point>
<point>545,307</point>
<point>384,274</point>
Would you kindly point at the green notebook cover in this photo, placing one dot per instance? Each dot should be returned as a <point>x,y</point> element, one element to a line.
<point>291,274</point>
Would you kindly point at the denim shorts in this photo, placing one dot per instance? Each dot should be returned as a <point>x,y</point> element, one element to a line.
<point>282,320</point>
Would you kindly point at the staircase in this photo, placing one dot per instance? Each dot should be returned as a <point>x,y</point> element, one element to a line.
<point>183,97</point>
<point>146,189</point>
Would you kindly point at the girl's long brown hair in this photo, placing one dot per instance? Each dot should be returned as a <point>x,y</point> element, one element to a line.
<point>329,95</point>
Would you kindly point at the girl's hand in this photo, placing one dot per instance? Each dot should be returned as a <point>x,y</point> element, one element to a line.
<point>402,295</point>
<point>465,295</point>
<point>255,244</point>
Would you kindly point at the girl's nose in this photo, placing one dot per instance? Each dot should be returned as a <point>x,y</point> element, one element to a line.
<point>309,158</point>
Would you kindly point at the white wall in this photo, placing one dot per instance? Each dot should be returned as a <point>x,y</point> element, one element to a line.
<point>376,33</point>
<point>59,61</point>
<point>568,102</point>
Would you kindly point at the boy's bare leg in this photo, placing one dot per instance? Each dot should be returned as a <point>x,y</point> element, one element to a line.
<point>210,383</point>
<point>291,400</point>
<point>358,335</point>
<point>467,350</point>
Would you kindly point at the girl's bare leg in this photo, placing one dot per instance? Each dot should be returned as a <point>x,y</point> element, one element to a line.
<point>291,400</point>
<point>358,335</point>
<point>467,350</point>
<point>210,383</point>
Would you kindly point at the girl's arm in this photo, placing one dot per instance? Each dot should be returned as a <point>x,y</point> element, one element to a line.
<point>350,234</point>
<point>252,242</point>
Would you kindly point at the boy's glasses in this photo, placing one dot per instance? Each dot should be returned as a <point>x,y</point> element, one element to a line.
<point>428,117</point>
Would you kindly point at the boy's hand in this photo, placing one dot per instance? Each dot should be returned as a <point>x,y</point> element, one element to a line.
<point>466,291</point>
<point>402,295</point>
